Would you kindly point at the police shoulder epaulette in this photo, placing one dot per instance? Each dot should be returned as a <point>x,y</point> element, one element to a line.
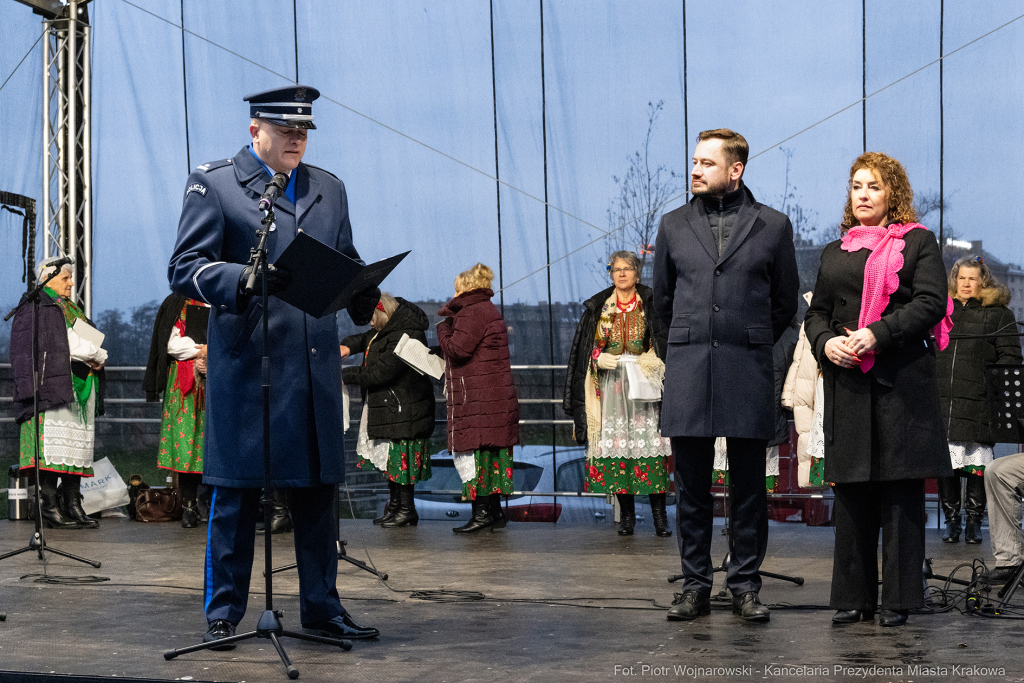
<point>210,165</point>
<point>324,170</point>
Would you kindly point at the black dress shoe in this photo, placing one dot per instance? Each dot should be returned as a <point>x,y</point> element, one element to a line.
<point>852,616</point>
<point>689,605</point>
<point>219,629</point>
<point>1002,574</point>
<point>750,608</point>
<point>341,626</point>
<point>889,617</point>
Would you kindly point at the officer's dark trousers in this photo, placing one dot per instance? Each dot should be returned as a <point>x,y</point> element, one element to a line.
<point>748,503</point>
<point>861,509</point>
<point>229,552</point>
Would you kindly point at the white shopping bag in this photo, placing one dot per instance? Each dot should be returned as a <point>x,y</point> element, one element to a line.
<point>104,490</point>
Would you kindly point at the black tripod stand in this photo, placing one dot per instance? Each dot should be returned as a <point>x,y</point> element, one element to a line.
<point>724,567</point>
<point>342,555</point>
<point>269,625</point>
<point>37,542</point>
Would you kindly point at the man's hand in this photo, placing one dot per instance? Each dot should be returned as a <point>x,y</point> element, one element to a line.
<point>345,351</point>
<point>277,279</point>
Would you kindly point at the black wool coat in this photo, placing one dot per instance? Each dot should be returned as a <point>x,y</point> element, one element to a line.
<point>882,425</point>
<point>723,315</point>
<point>574,401</point>
<point>399,399</point>
<point>961,367</point>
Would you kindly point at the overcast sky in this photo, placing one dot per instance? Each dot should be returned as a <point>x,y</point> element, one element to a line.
<point>411,128</point>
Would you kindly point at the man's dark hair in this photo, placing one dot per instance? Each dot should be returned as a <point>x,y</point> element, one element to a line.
<point>733,144</point>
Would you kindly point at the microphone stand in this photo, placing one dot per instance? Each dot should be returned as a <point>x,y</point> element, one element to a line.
<point>38,542</point>
<point>269,625</point>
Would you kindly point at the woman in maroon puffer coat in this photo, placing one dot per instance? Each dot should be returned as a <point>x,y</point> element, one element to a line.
<point>483,411</point>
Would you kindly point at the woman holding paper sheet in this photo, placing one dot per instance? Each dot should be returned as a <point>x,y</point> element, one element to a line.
<point>613,392</point>
<point>69,398</point>
<point>483,409</point>
<point>398,405</point>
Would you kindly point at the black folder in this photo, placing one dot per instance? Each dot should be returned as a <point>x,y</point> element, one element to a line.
<point>323,279</point>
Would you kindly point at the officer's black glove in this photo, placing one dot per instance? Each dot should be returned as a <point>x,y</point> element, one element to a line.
<point>360,308</point>
<point>277,279</point>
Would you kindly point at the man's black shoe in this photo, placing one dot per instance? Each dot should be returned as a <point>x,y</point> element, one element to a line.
<point>689,605</point>
<point>750,608</point>
<point>218,629</point>
<point>893,617</point>
<point>341,626</point>
<point>1002,574</point>
<point>852,616</point>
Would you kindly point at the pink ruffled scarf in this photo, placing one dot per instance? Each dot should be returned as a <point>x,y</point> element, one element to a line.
<point>881,277</point>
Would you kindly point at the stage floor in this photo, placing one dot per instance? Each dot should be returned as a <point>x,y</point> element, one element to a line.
<point>562,603</point>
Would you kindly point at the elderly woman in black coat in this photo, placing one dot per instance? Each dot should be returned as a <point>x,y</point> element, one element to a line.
<point>979,308</point>
<point>398,407</point>
<point>879,298</point>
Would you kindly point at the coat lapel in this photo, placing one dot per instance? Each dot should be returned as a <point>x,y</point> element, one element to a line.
<point>697,219</point>
<point>744,222</point>
<point>307,192</point>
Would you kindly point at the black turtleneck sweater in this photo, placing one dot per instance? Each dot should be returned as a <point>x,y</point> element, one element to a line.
<point>721,212</point>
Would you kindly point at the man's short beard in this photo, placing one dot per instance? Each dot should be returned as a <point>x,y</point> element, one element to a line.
<point>713,190</point>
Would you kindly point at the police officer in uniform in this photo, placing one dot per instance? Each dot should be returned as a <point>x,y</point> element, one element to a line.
<point>218,227</point>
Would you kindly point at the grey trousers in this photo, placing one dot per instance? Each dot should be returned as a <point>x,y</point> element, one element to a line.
<point>1004,486</point>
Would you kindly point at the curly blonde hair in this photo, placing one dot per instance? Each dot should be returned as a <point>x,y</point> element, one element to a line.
<point>477,277</point>
<point>899,196</point>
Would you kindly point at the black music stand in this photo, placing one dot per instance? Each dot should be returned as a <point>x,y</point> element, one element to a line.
<point>38,542</point>
<point>269,625</point>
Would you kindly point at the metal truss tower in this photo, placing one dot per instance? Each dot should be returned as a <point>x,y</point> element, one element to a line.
<point>67,140</point>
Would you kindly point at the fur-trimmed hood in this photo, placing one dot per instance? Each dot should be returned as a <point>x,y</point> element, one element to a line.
<point>999,295</point>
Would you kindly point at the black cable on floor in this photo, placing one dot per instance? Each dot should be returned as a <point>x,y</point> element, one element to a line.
<point>66,580</point>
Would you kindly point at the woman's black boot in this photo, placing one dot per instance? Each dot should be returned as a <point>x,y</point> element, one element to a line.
<point>391,507</point>
<point>406,514</point>
<point>949,498</point>
<point>498,519</point>
<point>481,517</point>
<point>659,515</point>
<point>627,513</point>
<point>49,504</point>
<point>72,501</point>
<point>188,484</point>
<point>974,505</point>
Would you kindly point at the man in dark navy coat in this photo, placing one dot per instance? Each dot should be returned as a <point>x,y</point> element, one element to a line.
<point>725,284</point>
<point>219,221</point>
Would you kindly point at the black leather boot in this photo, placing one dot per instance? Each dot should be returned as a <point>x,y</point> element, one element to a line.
<point>406,514</point>
<point>49,504</point>
<point>280,518</point>
<point>391,507</point>
<point>481,517</point>
<point>949,498</point>
<point>659,515</point>
<point>71,501</point>
<point>627,513</point>
<point>498,519</point>
<point>975,507</point>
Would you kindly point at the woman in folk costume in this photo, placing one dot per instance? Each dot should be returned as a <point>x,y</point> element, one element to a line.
<point>177,369</point>
<point>70,397</point>
<point>979,308</point>
<point>613,392</point>
<point>877,317</point>
<point>398,405</point>
<point>483,409</point>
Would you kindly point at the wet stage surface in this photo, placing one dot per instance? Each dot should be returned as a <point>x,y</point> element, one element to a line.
<point>560,603</point>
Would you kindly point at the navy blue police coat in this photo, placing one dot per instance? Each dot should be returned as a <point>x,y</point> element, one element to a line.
<point>723,314</point>
<point>218,227</point>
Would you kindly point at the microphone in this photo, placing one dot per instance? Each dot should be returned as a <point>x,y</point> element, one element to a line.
<point>274,189</point>
<point>60,263</point>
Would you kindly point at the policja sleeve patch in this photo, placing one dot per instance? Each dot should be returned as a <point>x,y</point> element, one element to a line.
<point>196,187</point>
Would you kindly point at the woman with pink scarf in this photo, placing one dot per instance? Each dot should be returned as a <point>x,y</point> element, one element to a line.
<point>878,316</point>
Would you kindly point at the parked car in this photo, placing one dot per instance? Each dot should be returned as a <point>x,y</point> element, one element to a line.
<point>533,469</point>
